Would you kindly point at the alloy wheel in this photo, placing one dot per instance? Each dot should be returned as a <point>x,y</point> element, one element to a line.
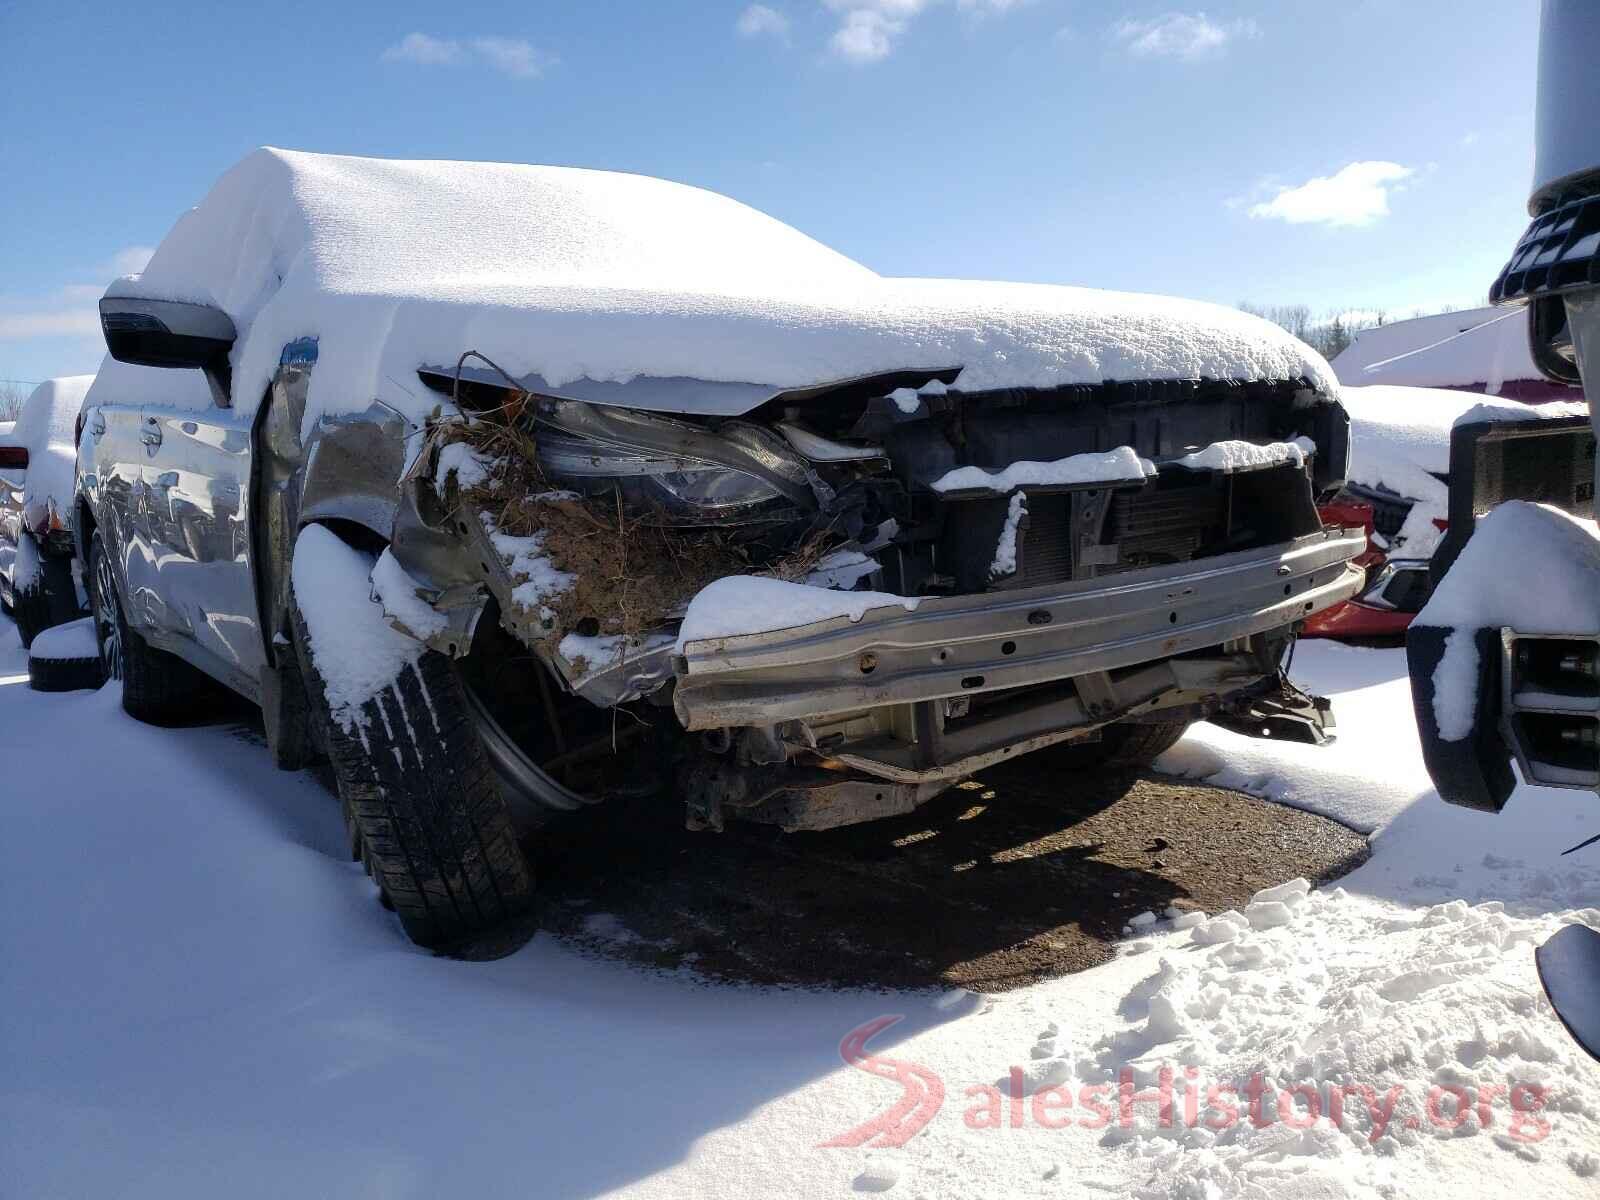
<point>107,618</point>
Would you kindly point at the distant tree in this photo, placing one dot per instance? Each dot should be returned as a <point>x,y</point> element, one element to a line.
<point>11,397</point>
<point>1328,335</point>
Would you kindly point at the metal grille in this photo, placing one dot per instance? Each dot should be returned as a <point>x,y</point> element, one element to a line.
<point>1163,525</point>
<point>1047,542</point>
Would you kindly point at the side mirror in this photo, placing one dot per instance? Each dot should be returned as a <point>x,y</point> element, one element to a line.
<point>165,333</point>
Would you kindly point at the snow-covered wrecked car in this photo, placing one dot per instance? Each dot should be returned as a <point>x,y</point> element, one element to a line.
<point>516,488</point>
<point>1398,483</point>
<point>37,453</point>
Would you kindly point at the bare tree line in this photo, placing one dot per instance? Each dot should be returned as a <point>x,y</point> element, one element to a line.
<point>1329,333</point>
<point>12,394</point>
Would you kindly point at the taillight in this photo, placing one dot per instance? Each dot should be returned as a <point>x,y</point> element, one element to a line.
<point>13,458</point>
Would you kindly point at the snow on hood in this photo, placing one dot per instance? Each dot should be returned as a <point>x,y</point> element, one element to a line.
<point>1400,436</point>
<point>574,274</point>
<point>1399,431</point>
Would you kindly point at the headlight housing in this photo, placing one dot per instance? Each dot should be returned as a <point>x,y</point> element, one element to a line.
<point>673,471</point>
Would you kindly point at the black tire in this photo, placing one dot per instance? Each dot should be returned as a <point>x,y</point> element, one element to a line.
<point>1124,747</point>
<point>157,688</point>
<point>51,600</point>
<point>422,803</point>
<point>65,674</point>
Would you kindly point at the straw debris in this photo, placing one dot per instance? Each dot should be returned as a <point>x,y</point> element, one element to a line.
<point>631,573</point>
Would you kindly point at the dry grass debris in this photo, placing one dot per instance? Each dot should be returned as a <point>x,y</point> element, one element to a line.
<point>632,571</point>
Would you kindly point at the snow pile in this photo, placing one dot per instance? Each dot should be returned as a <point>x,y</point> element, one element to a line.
<point>46,426</point>
<point>1247,456</point>
<point>1528,567</point>
<point>1372,1034</point>
<point>1121,465</point>
<point>1005,551</point>
<point>569,274</point>
<point>75,639</point>
<point>357,654</point>
<point>275,1011</point>
<point>744,604</point>
<point>1484,348</point>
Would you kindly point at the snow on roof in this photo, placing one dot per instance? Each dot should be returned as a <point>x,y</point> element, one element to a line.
<point>573,274</point>
<point>47,427</point>
<point>50,413</point>
<point>1483,346</point>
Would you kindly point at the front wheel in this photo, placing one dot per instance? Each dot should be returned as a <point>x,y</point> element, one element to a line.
<point>421,801</point>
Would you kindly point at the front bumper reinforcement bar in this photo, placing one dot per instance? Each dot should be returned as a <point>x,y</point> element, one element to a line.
<point>956,645</point>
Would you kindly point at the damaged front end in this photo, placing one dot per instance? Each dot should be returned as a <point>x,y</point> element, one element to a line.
<point>947,579</point>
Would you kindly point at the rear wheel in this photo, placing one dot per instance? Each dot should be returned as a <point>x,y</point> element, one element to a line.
<point>421,801</point>
<point>157,688</point>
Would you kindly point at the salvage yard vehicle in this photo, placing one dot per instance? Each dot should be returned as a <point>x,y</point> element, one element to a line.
<point>37,454</point>
<point>1398,485</point>
<point>513,489</point>
<point>1505,659</point>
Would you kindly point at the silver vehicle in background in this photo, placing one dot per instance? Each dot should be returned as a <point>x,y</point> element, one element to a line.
<point>37,453</point>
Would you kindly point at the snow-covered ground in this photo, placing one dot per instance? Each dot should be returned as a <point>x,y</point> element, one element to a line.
<point>200,996</point>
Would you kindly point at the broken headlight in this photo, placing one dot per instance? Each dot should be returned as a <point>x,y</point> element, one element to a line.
<point>672,470</point>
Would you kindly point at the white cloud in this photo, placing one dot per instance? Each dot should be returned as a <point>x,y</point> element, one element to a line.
<point>869,29</point>
<point>71,310</point>
<point>516,57</point>
<point>424,50</point>
<point>760,21</point>
<point>1357,194</point>
<point>20,326</point>
<point>1189,36</point>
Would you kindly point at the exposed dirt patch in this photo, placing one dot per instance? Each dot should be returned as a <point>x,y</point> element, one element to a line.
<point>1019,875</point>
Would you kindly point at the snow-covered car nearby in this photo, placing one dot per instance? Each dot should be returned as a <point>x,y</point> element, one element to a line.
<point>37,454</point>
<point>1399,474</point>
<point>516,488</point>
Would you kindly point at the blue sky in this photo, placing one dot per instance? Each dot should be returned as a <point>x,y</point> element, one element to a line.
<point>1338,153</point>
